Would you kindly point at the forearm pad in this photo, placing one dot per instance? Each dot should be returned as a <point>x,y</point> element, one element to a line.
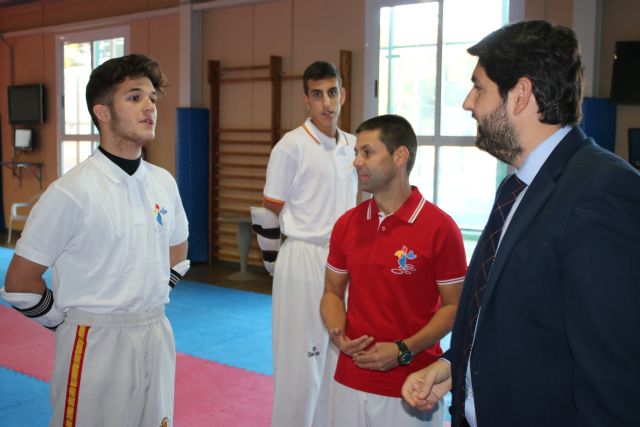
<point>267,226</point>
<point>37,307</point>
<point>178,271</point>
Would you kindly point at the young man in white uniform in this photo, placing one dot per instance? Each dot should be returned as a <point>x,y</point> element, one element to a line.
<point>310,183</point>
<point>111,228</point>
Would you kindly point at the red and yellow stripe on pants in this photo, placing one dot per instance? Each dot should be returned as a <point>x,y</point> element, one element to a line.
<point>75,375</point>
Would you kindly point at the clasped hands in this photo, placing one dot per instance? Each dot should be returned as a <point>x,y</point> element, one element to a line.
<point>381,356</point>
<point>423,389</point>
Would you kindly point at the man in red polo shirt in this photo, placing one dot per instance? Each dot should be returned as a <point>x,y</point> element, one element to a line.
<point>404,261</point>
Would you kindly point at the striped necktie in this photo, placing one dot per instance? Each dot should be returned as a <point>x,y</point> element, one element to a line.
<point>484,257</point>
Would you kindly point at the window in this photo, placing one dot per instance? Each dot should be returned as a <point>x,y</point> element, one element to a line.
<point>422,71</point>
<point>81,53</point>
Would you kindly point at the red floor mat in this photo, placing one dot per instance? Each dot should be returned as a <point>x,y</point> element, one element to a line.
<point>26,346</point>
<point>211,394</point>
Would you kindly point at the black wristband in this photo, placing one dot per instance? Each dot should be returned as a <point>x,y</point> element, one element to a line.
<point>174,278</point>
<point>268,233</point>
<point>41,308</point>
<point>269,256</point>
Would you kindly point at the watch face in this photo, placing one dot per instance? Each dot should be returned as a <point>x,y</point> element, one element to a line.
<point>405,358</point>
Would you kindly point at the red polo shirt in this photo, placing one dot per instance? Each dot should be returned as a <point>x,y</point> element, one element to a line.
<point>394,268</point>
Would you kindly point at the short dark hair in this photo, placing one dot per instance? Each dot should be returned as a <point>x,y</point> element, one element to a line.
<point>548,55</point>
<point>107,76</point>
<point>394,132</point>
<point>320,70</point>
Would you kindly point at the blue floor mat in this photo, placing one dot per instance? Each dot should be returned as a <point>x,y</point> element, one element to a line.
<point>223,325</point>
<point>25,400</point>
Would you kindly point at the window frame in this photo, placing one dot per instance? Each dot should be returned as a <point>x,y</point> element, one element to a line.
<point>371,73</point>
<point>514,12</point>
<point>78,37</point>
<point>372,29</point>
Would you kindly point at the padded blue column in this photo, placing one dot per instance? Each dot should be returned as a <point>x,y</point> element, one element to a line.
<point>599,121</point>
<point>192,175</point>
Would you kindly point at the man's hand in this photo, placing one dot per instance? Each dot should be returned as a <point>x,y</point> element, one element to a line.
<point>381,356</point>
<point>348,346</point>
<point>425,388</point>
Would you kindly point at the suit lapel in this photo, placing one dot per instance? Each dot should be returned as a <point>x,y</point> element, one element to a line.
<point>533,201</point>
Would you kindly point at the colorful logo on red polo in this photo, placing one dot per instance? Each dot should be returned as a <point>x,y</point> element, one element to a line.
<point>403,256</point>
<point>159,211</point>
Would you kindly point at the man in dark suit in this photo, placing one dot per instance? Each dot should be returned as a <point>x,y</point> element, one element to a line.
<point>548,327</point>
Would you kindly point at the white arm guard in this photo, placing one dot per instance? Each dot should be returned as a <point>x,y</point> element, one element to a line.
<point>37,307</point>
<point>178,271</point>
<point>267,226</point>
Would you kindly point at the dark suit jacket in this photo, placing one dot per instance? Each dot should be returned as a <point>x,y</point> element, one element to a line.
<point>558,337</point>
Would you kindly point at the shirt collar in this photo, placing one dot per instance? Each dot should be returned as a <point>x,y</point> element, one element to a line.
<point>539,155</point>
<point>320,138</point>
<point>409,210</point>
<point>115,172</point>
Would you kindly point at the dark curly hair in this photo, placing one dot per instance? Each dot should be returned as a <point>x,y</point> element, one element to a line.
<point>108,75</point>
<point>548,55</point>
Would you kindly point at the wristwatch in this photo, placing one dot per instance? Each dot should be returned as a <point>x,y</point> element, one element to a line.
<point>404,356</point>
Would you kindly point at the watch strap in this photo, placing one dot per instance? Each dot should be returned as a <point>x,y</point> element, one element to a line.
<point>402,346</point>
<point>405,356</point>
